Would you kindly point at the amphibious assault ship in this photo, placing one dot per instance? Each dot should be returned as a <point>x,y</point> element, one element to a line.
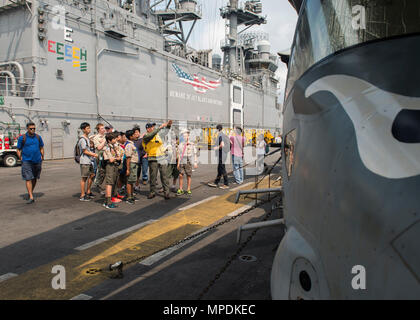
<point>128,62</point>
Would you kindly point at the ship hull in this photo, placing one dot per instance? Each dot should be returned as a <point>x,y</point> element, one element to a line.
<point>98,77</point>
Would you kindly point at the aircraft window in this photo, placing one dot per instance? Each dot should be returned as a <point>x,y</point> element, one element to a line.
<point>327,26</point>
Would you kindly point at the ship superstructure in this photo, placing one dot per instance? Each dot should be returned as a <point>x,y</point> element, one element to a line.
<point>129,62</point>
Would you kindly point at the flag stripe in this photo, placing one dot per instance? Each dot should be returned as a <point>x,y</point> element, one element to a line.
<point>200,86</point>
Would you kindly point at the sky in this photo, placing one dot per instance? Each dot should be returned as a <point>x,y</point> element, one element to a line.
<point>281,22</point>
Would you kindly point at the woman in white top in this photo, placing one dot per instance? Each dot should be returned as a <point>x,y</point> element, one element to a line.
<point>260,153</point>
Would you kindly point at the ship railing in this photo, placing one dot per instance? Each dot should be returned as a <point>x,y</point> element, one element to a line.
<point>225,43</point>
<point>198,9</point>
<point>11,87</point>
<point>244,6</point>
<point>14,3</point>
<point>262,171</point>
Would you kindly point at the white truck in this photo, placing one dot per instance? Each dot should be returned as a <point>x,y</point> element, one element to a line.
<point>8,151</point>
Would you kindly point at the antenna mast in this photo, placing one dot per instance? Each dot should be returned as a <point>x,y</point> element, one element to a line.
<point>238,14</point>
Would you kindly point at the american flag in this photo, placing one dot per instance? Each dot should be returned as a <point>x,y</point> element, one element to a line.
<point>200,86</point>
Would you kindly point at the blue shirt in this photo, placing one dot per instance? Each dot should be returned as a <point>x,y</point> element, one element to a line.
<point>30,151</point>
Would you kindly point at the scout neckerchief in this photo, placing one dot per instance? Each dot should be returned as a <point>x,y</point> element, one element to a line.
<point>183,151</point>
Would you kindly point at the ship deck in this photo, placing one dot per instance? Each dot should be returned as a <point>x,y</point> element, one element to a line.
<point>85,238</point>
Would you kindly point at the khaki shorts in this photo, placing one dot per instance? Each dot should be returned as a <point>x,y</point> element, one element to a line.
<point>111,172</point>
<point>86,170</point>
<point>187,168</point>
<point>132,178</point>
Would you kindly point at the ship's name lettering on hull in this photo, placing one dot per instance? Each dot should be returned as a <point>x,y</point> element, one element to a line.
<point>194,98</point>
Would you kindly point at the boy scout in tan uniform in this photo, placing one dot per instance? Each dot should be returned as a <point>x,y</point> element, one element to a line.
<point>132,158</point>
<point>112,157</point>
<point>99,143</point>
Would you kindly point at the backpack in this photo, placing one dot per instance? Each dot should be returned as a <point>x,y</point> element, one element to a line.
<point>77,151</point>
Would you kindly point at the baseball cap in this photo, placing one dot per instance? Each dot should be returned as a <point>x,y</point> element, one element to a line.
<point>150,125</point>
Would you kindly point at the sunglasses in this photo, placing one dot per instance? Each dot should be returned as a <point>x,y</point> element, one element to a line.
<point>31,128</point>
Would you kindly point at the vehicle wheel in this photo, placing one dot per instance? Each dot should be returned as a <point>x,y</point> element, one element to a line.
<point>10,160</point>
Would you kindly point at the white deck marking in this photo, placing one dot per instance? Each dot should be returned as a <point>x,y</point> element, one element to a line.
<point>114,235</point>
<point>7,276</point>
<point>242,209</point>
<point>197,203</point>
<point>162,254</point>
<point>81,297</point>
<point>242,186</point>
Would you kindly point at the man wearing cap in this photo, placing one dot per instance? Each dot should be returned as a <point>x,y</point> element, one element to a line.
<point>153,145</point>
<point>109,129</point>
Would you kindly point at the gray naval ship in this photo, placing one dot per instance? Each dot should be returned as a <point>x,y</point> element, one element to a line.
<point>129,62</point>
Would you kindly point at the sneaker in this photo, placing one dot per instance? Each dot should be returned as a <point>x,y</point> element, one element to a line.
<point>90,195</point>
<point>120,196</point>
<point>135,198</point>
<point>85,198</point>
<point>144,182</point>
<point>211,184</point>
<point>224,187</point>
<point>151,196</point>
<point>137,189</point>
<point>30,201</point>
<point>130,201</point>
<point>189,192</point>
<point>115,200</point>
<point>180,192</point>
<point>109,206</point>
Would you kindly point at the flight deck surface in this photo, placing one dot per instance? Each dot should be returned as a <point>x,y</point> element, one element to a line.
<point>150,238</point>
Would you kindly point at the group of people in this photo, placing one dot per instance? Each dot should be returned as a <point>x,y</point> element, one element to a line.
<point>117,160</point>
<point>116,163</point>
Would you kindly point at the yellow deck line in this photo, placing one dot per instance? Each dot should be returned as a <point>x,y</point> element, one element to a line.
<point>36,283</point>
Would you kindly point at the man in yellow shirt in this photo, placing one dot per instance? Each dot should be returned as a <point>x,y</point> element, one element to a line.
<point>153,145</point>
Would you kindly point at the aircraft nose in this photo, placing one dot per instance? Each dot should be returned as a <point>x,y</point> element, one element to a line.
<point>406,126</point>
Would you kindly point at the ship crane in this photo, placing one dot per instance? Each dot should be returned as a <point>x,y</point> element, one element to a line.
<point>177,12</point>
